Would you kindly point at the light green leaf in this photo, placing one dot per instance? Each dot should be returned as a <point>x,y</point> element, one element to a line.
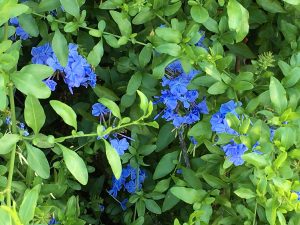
<point>60,47</point>
<point>199,14</point>
<point>217,88</point>
<point>112,106</point>
<point>46,5</point>
<point>5,217</point>
<point>40,72</point>
<point>188,195</point>
<point>278,95</point>
<point>96,54</point>
<point>144,103</point>
<point>123,23</point>
<point>10,9</point>
<point>168,34</point>
<point>8,142</point>
<point>28,204</point>
<point>71,7</point>
<point>134,83</point>
<point>113,159</point>
<point>293,2</point>
<point>169,48</point>
<point>272,6</point>
<point>238,18</point>
<point>65,112</point>
<point>245,193</point>
<point>75,165</point>
<point>165,165</point>
<point>152,206</point>
<point>37,161</point>
<point>34,114</point>
<point>255,159</point>
<point>28,23</point>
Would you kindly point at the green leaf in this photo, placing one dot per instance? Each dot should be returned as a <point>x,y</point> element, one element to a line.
<point>10,9</point>
<point>168,34</point>
<point>199,14</point>
<point>40,72</point>
<point>29,84</point>
<point>271,208</point>
<point>139,221</point>
<point>112,106</point>
<point>34,114</point>
<point>238,18</point>
<point>144,104</point>
<point>113,159</point>
<point>96,54</point>
<point>152,206</point>
<point>5,217</point>
<point>292,77</point>
<point>293,2</point>
<point>145,55</point>
<point>37,161</point>
<point>162,185</point>
<point>104,92</point>
<point>65,112</point>
<point>28,205</point>
<point>123,23</point>
<point>165,136</point>
<point>191,178</point>
<point>245,193</point>
<point>165,165</point>
<point>71,7</point>
<point>278,95</point>
<point>75,165</point>
<point>255,159</point>
<point>217,88</point>
<point>169,48</point>
<point>46,5</point>
<point>188,195</point>
<point>272,6</point>
<point>28,23</point>
<point>134,83</point>
<point>60,47</point>
<point>8,143</point>
<point>213,181</point>
<point>143,16</point>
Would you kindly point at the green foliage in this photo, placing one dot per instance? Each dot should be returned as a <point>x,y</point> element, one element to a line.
<point>62,164</point>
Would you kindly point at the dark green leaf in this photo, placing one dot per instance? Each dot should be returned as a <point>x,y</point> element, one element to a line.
<point>96,54</point>
<point>165,165</point>
<point>65,112</point>
<point>29,204</point>
<point>71,7</point>
<point>152,206</point>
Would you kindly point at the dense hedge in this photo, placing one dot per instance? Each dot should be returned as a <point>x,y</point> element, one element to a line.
<point>150,112</point>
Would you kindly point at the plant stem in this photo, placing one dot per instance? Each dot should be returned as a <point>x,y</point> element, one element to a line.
<point>88,28</point>
<point>184,149</point>
<point>13,152</point>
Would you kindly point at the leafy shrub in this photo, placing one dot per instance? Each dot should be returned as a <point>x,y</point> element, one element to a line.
<point>149,112</point>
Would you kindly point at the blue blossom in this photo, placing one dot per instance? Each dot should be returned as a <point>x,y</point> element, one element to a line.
<point>101,208</point>
<point>19,30</point>
<point>23,129</point>
<point>181,105</point>
<point>128,181</point>
<point>52,221</point>
<point>234,152</point>
<point>218,120</point>
<point>99,109</point>
<point>123,204</point>
<point>51,84</point>
<point>78,72</point>
<point>193,140</point>
<point>8,120</point>
<point>120,145</point>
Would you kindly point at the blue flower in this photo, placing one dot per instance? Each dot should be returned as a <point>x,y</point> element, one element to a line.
<point>8,120</point>
<point>193,140</point>
<point>78,72</point>
<point>99,109</point>
<point>101,208</point>
<point>298,193</point>
<point>19,30</point>
<point>51,84</point>
<point>123,204</point>
<point>181,105</point>
<point>23,129</point>
<point>200,42</point>
<point>234,152</point>
<point>120,145</point>
<point>229,107</point>
<point>128,181</point>
<point>52,221</point>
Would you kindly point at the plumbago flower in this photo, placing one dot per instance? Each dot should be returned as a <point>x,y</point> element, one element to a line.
<point>129,182</point>
<point>78,72</point>
<point>181,106</point>
<point>233,150</point>
<point>20,32</point>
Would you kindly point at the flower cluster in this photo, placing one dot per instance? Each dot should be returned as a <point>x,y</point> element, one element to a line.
<point>181,105</point>
<point>233,150</point>
<point>129,181</point>
<point>78,72</point>
<point>20,32</point>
